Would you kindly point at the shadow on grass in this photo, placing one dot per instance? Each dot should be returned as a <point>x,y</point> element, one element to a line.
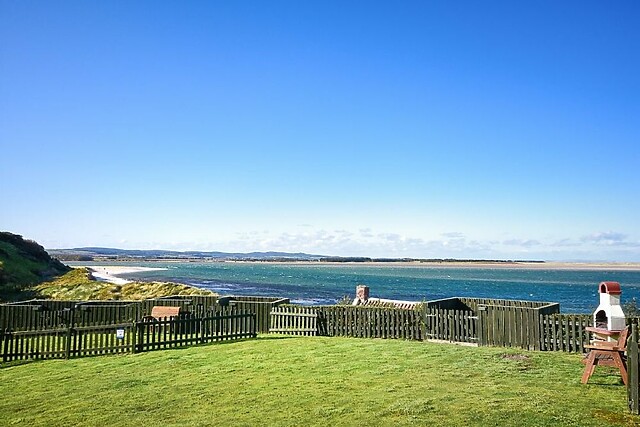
<point>278,337</point>
<point>601,384</point>
<point>14,363</point>
<point>262,337</point>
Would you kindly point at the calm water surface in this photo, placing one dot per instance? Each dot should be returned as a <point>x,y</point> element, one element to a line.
<point>575,290</point>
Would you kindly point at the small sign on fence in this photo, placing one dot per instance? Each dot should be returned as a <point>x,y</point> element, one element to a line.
<point>120,334</point>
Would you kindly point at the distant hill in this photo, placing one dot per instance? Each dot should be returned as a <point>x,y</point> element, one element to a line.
<point>97,252</point>
<point>24,263</point>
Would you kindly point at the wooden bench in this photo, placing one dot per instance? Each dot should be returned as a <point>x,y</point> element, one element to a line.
<point>606,353</point>
<point>160,312</point>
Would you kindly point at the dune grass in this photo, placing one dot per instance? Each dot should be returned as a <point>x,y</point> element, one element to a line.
<point>286,381</point>
<point>79,284</point>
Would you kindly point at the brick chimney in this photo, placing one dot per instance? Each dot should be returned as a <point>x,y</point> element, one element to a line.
<point>362,293</point>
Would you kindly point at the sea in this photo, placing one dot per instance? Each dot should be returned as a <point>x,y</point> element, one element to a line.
<point>310,284</point>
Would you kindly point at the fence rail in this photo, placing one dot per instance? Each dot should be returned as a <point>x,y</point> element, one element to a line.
<point>81,341</point>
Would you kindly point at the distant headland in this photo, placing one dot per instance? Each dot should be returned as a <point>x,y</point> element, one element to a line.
<point>113,254</point>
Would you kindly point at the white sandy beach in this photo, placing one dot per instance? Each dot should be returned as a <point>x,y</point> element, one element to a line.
<point>109,273</point>
<point>523,265</point>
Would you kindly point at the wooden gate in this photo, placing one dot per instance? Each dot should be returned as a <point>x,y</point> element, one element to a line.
<point>294,320</point>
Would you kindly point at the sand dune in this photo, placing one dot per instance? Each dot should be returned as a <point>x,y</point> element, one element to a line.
<point>109,273</point>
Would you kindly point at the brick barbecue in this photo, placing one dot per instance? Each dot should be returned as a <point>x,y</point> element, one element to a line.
<point>609,313</point>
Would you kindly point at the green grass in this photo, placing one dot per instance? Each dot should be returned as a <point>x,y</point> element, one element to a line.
<point>315,381</point>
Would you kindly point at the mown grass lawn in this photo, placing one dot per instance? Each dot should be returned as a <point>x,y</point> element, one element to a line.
<point>314,381</point>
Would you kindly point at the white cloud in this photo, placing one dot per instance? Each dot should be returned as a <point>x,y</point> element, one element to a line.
<point>382,244</point>
<point>528,243</point>
<point>453,235</point>
<point>608,238</point>
<point>565,243</point>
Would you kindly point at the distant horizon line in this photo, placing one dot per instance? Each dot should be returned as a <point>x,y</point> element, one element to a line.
<point>104,251</point>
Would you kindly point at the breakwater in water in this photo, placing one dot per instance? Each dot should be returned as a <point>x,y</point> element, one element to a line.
<point>575,290</point>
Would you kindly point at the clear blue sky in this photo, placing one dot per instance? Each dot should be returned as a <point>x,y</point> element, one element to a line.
<point>423,129</point>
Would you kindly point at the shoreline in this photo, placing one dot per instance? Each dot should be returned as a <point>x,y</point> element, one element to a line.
<point>112,268</point>
<point>463,264</point>
<point>110,273</point>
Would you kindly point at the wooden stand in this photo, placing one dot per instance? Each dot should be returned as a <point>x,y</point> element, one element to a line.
<point>607,353</point>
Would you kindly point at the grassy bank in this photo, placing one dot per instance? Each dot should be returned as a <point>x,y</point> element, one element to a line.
<point>24,263</point>
<point>315,381</point>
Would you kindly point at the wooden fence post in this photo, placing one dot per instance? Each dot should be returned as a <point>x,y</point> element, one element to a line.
<point>482,325</point>
<point>140,332</point>
<point>134,338</point>
<point>6,336</point>
<point>67,349</point>
<point>200,330</point>
<point>633,383</point>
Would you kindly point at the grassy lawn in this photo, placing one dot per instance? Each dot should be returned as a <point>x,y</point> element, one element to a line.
<point>315,381</point>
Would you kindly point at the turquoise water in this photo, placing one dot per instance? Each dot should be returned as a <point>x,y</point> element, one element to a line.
<point>575,290</point>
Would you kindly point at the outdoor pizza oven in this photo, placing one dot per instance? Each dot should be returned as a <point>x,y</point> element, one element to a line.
<point>609,314</point>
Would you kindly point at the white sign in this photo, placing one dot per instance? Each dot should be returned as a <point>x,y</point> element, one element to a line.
<point>120,334</point>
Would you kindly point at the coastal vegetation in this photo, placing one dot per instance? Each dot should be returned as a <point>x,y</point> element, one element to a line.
<point>28,271</point>
<point>79,284</point>
<point>278,380</point>
<point>24,263</point>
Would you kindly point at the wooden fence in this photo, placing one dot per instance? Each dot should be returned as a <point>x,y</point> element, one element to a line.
<point>350,321</point>
<point>261,306</point>
<point>509,326</point>
<point>450,325</point>
<point>488,322</point>
<point>294,320</point>
<point>523,324</point>
<point>374,322</point>
<point>565,332</point>
<point>509,323</point>
<point>201,305</point>
<point>139,336</point>
<point>51,314</point>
